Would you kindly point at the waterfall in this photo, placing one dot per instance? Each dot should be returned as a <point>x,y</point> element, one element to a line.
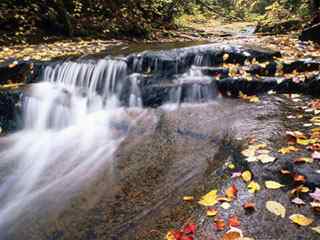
<point>75,119</point>
<point>71,129</point>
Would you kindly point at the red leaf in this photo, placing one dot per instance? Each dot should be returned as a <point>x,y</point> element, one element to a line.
<point>177,235</point>
<point>233,221</point>
<point>190,229</point>
<point>186,238</point>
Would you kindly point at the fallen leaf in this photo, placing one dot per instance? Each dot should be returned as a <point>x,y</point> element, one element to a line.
<point>264,158</point>
<point>246,176</point>
<point>231,236</point>
<point>226,57</point>
<point>231,166</point>
<point>231,192</point>
<point>300,219</point>
<point>316,229</point>
<point>212,212</point>
<point>299,178</point>
<point>273,185</point>
<point>233,221</point>
<point>219,224</point>
<point>226,205</point>
<point>249,206</point>
<point>250,152</point>
<point>286,150</point>
<point>276,208</point>
<point>316,194</point>
<point>188,198</point>
<point>303,160</point>
<point>300,189</point>
<point>210,199</point>
<point>252,159</point>
<point>253,187</point>
<point>285,172</point>
<point>171,236</point>
<point>190,229</point>
<point>298,201</point>
<point>315,206</point>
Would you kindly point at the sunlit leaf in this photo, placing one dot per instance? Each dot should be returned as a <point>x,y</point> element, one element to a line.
<point>231,192</point>
<point>210,199</point>
<point>212,212</point>
<point>188,198</point>
<point>290,149</point>
<point>276,208</point>
<point>264,158</point>
<point>253,187</point>
<point>246,176</point>
<point>316,229</point>
<point>273,185</point>
<point>300,219</point>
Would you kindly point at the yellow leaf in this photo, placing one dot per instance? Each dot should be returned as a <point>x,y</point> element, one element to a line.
<point>246,176</point>
<point>300,220</point>
<point>170,236</point>
<point>264,158</point>
<point>231,166</point>
<point>212,212</point>
<point>306,141</point>
<point>210,199</point>
<point>188,198</point>
<point>226,57</point>
<point>315,119</point>
<point>276,208</point>
<point>316,229</point>
<point>286,150</point>
<point>253,187</point>
<point>250,152</point>
<point>273,185</point>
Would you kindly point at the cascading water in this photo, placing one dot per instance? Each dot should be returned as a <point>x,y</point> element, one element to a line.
<point>74,120</point>
<point>71,131</point>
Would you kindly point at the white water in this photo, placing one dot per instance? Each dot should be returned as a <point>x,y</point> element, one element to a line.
<point>70,133</point>
<point>73,123</point>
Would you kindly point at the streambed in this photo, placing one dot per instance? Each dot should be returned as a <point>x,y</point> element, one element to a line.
<point>108,147</point>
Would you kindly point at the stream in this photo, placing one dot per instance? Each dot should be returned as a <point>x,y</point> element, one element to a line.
<point>109,144</point>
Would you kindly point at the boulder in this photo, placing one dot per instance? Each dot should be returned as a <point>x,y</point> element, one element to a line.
<point>311,33</point>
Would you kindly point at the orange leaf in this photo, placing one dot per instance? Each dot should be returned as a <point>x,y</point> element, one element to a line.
<point>219,224</point>
<point>249,206</point>
<point>231,192</point>
<point>231,236</point>
<point>299,178</point>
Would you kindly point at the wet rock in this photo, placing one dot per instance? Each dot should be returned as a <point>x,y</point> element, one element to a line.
<point>10,111</point>
<point>311,33</point>
<point>21,72</point>
<point>178,61</point>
